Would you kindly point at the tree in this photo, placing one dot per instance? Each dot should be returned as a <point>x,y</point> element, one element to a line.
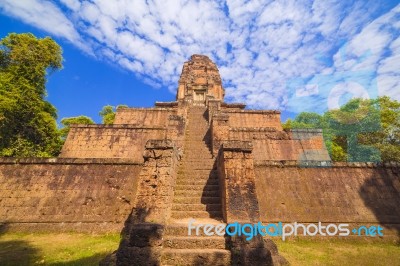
<point>67,122</point>
<point>387,137</point>
<point>108,113</point>
<point>27,121</point>
<point>360,130</point>
<point>304,120</point>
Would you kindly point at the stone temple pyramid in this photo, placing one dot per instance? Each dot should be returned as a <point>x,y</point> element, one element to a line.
<point>195,160</point>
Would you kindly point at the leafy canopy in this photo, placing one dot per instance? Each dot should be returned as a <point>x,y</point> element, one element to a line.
<point>27,121</point>
<point>78,120</point>
<point>361,130</point>
<point>108,113</point>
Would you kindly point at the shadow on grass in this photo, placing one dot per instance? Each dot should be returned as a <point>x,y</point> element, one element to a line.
<point>17,252</point>
<point>87,261</point>
<point>21,253</point>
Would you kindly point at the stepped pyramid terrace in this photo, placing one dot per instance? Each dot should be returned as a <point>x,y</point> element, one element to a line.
<point>196,160</point>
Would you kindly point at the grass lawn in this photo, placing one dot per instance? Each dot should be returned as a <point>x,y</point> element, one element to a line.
<point>55,249</point>
<point>339,252</point>
<point>83,249</point>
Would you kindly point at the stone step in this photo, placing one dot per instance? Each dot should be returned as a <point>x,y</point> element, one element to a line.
<point>194,242</point>
<point>197,170</point>
<point>196,144</point>
<point>196,207</point>
<point>202,171</point>
<point>195,176</point>
<point>187,181</point>
<point>204,257</point>
<point>208,162</point>
<point>196,193</point>
<point>196,214</point>
<point>196,187</point>
<point>197,115</point>
<point>197,138</point>
<point>197,200</point>
<point>199,125</point>
<point>199,159</point>
<point>196,147</point>
<point>183,231</point>
<point>179,227</point>
<point>189,165</point>
<point>197,154</point>
<point>195,151</point>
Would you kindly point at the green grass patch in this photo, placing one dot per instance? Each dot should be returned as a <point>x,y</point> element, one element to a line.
<point>339,252</point>
<point>85,249</point>
<point>55,249</point>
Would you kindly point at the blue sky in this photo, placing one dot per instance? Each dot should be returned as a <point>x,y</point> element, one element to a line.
<point>286,55</point>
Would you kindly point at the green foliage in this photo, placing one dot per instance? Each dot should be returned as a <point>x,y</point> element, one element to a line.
<point>27,122</point>
<point>67,122</point>
<point>108,113</point>
<point>304,120</point>
<point>361,130</point>
<point>387,138</point>
<point>337,153</point>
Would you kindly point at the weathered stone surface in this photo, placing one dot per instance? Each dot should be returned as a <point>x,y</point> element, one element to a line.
<point>82,195</point>
<point>252,252</point>
<point>237,180</point>
<point>200,80</point>
<point>342,193</point>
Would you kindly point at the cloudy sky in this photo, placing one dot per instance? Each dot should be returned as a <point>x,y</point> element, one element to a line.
<point>288,55</point>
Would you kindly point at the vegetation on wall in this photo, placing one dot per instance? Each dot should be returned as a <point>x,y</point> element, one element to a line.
<point>108,113</point>
<point>68,121</point>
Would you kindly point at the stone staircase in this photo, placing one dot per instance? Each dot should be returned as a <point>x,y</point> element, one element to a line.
<point>196,197</point>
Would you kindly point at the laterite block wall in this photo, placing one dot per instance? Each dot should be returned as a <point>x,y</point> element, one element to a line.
<point>357,193</point>
<point>89,195</point>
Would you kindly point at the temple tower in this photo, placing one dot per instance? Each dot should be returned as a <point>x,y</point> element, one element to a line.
<point>200,81</point>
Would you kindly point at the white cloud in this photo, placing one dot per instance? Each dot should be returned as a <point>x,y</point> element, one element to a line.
<point>33,11</point>
<point>258,45</point>
<point>72,4</point>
